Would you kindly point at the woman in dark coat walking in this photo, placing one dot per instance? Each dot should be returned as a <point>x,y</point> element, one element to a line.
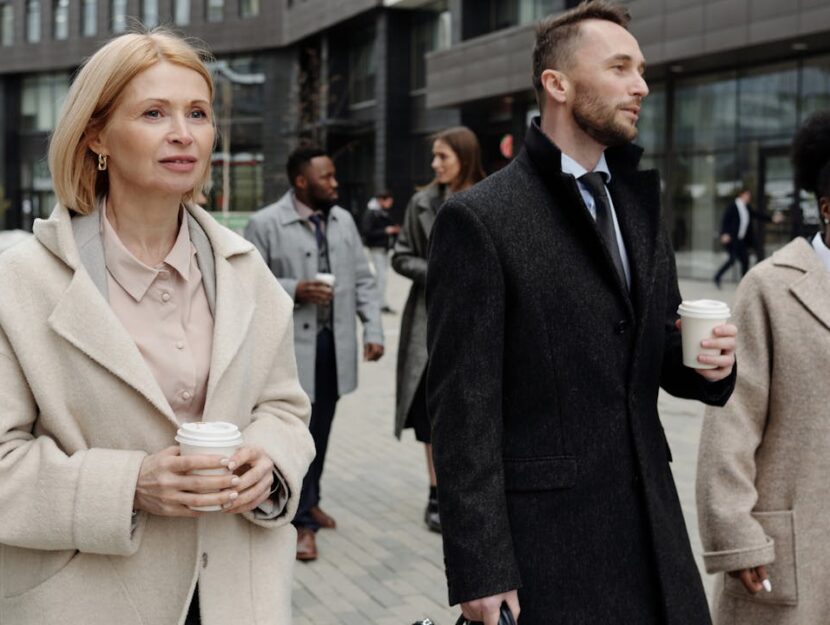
<point>456,161</point>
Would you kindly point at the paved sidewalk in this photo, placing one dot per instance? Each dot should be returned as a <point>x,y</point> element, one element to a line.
<point>381,565</point>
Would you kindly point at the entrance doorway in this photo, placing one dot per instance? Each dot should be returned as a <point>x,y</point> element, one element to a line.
<point>776,195</point>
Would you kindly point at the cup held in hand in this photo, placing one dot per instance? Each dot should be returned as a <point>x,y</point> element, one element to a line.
<point>211,438</point>
<point>327,278</point>
<point>700,318</point>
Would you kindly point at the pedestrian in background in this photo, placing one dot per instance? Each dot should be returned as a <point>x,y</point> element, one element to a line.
<point>456,161</point>
<point>552,301</point>
<point>313,248</point>
<point>379,232</point>
<point>762,499</point>
<point>131,312</point>
<point>738,233</point>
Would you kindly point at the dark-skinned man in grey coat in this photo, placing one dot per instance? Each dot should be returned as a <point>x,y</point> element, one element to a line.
<point>552,297</point>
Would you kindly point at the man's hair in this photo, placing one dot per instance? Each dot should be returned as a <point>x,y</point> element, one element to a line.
<point>383,193</point>
<point>811,154</point>
<point>556,36</point>
<point>300,157</point>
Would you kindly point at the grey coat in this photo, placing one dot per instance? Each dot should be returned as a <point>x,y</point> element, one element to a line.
<point>765,457</point>
<point>290,250</point>
<point>410,260</point>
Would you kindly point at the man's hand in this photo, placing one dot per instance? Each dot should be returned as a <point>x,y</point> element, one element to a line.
<point>255,472</point>
<point>164,487</point>
<point>778,217</point>
<point>724,340</point>
<point>725,239</point>
<point>753,579</point>
<point>372,352</point>
<point>391,230</point>
<point>486,609</point>
<point>313,292</point>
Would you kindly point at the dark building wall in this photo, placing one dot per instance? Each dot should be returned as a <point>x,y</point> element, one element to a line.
<point>280,118</point>
<point>306,17</point>
<point>234,34</point>
<point>698,32</point>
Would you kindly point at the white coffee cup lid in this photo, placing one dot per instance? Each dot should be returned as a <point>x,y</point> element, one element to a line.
<point>209,434</point>
<point>704,309</point>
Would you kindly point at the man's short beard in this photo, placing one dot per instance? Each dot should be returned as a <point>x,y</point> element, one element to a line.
<point>597,120</point>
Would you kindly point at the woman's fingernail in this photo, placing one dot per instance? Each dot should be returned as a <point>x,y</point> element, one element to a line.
<point>233,495</point>
<point>231,466</point>
<point>235,481</point>
<point>767,585</point>
<point>225,461</point>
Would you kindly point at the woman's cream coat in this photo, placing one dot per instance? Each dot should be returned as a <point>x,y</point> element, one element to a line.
<point>79,410</point>
<point>764,463</point>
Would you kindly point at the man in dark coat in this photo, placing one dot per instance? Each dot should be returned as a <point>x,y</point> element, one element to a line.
<point>552,324</point>
<point>737,233</point>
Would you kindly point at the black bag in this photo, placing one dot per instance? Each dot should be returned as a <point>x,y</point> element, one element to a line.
<point>505,618</point>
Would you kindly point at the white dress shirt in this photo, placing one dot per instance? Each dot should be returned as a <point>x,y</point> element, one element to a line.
<point>570,166</point>
<point>743,215</point>
<point>821,249</point>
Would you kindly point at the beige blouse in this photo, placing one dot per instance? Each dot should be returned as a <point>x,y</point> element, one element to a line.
<point>166,312</point>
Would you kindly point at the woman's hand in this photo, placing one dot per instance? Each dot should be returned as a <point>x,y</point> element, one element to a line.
<point>165,487</point>
<point>753,579</point>
<point>255,471</point>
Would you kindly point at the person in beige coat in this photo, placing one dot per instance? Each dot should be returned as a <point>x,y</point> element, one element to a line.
<point>763,503</point>
<point>96,524</point>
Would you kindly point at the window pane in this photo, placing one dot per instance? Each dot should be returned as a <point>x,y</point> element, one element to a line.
<point>33,21</point>
<point>150,13</point>
<point>181,12</point>
<point>41,99</point>
<point>249,8</point>
<point>652,125</point>
<point>706,114</point>
<point>362,70</point>
<point>6,25</point>
<point>215,10</point>
<point>61,15</point>
<point>815,86</point>
<point>767,102</point>
<point>702,188</point>
<point>119,16</point>
<point>90,18</point>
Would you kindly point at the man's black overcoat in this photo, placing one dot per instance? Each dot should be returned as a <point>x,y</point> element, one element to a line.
<point>553,468</point>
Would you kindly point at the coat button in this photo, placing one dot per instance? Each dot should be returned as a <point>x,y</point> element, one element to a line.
<point>620,327</point>
<point>204,560</point>
<point>305,326</point>
<point>308,254</point>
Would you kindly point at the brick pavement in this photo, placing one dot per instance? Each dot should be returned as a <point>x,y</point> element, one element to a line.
<point>381,565</point>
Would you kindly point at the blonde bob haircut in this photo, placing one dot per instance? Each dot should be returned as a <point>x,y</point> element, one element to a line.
<point>93,97</point>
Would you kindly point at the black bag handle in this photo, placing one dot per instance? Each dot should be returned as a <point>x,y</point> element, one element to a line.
<point>505,617</point>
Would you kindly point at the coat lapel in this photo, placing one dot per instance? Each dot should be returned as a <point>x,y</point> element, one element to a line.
<point>637,204</point>
<point>84,319</point>
<point>810,289</point>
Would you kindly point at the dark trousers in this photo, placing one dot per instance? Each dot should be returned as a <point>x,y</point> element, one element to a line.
<point>322,415</point>
<point>193,616</point>
<point>737,252</point>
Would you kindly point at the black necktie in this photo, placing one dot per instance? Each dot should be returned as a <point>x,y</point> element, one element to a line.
<point>317,220</point>
<point>605,221</point>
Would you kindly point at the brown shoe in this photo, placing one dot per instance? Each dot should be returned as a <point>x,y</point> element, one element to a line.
<point>306,544</point>
<point>322,519</point>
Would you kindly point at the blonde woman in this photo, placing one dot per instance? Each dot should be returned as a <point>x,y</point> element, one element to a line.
<point>129,313</point>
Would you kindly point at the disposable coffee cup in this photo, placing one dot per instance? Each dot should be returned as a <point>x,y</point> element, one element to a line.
<point>215,438</point>
<point>328,278</point>
<point>700,317</point>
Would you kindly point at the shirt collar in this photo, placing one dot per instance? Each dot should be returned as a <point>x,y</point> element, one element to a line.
<point>821,249</point>
<point>740,203</point>
<point>303,210</point>
<point>570,166</point>
<point>130,273</point>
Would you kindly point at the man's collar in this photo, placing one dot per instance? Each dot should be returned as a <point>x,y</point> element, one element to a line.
<point>570,166</point>
<point>547,157</point>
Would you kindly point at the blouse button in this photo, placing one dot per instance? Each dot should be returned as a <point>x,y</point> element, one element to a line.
<point>186,395</point>
<point>180,345</point>
<point>165,297</point>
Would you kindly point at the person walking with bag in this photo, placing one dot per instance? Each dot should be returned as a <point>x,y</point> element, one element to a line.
<point>456,161</point>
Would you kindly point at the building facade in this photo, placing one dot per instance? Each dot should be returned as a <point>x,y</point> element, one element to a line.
<point>372,79</point>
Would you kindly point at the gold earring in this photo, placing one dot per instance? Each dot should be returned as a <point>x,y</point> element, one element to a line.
<point>102,162</point>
